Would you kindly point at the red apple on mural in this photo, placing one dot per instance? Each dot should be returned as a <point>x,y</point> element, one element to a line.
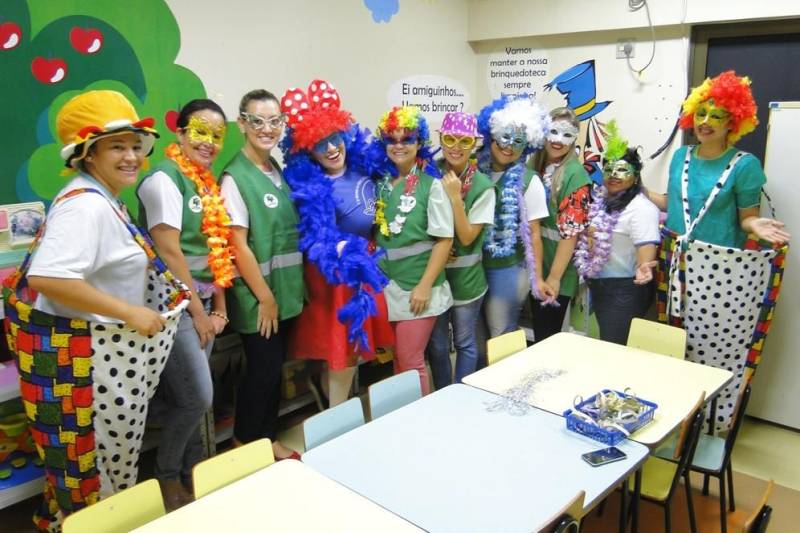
<point>171,120</point>
<point>49,71</point>
<point>10,35</point>
<point>86,41</point>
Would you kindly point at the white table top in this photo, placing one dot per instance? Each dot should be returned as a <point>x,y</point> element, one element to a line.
<point>286,496</point>
<point>591,365</point>
<point>445,463</point>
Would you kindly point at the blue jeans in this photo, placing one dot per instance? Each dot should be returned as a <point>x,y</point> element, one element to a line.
<point>464,319</point>
<point>508,288</point>
<point>187,393</point>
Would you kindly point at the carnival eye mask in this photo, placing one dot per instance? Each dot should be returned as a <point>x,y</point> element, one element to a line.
<point>411,138</point>
<point>620,169</point>
<point>258,123</point>
<point>513,138</point>
<point>464,143</point>
<point>708,113</point>
<point>334,138</point>
<point>562,132</point>
<point>199,130</point>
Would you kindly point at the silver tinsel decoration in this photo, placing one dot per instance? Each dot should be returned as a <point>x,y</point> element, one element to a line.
<point>517,399</point>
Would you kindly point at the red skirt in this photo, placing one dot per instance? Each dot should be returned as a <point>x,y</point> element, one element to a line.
<point>318,334</point>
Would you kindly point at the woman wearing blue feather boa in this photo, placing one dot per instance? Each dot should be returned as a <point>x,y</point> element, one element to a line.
<point>334,193</point>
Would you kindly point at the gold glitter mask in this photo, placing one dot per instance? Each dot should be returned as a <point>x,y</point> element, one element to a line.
<point>199,130</point>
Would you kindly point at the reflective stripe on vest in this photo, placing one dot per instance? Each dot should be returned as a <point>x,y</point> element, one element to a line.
<point>550,233</point>
<point>196,262</point>
<point>464,261</point>
<point>281,261</point>
<point>394,254</point>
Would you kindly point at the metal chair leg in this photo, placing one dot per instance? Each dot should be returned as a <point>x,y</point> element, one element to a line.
<point>690,502</point>
<point>732,504</point>
<point>667,517</point>
<point>705,484</point>
<point>623,507</point>
<point>723,516</point>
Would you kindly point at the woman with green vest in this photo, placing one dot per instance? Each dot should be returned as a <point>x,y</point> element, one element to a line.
<point>568,197</point>
<point>512,249</point>
<point>269,290</point>
<point>471,194</point>
<point>181,207</point>
<point>415,228</point>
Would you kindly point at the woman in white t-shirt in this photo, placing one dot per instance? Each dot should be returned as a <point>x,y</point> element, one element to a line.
<point>181,207</point>
<point>616,255</point>
<point>88,266</point>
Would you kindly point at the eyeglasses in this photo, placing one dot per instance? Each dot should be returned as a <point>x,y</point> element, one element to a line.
<point>412,138</point>
<point>463,142</point>
<point>258,123</point>
<point>516,142</point>
<point>334,138</point>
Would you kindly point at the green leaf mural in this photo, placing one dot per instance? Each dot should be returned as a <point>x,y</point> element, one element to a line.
<point>52,50</point>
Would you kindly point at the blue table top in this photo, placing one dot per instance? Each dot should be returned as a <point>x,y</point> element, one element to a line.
<point>445,463</point>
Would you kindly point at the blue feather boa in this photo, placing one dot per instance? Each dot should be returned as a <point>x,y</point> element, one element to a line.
<point>355,267</point>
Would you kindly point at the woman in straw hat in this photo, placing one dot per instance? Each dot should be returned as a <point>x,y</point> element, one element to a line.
<point>100,277</point>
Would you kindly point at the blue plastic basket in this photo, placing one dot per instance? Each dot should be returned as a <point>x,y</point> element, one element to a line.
<point>609,436</point>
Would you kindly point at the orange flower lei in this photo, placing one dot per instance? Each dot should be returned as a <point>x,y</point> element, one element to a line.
<point>216,222</point>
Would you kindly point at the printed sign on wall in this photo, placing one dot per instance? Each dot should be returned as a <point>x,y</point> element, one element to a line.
<point>434,95</point>
<point>517,70</point>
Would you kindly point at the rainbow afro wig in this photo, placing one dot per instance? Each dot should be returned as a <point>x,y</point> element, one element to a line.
<point>406,117</point>
<point>313,115</point>
<point>730,92</point>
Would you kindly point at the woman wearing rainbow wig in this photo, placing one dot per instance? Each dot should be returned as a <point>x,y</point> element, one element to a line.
<point>720,293</point>
<point>334,193</point>
<point>512,250</point>
<point>415,228</point>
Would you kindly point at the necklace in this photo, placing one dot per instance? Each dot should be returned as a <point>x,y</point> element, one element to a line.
<point>407,203</point>
<point>216,222</point>
<point>501,237</point>
<point>592,253</point>
<point>466,178</point>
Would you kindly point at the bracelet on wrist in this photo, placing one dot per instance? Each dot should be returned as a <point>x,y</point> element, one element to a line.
<point>220,315</point>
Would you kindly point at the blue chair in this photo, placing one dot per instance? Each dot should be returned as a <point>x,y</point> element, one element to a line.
<point>393,393</point>
<point>332,422</point>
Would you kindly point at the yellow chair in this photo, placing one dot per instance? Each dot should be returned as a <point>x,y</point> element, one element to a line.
<point>500,347</point>
<point>119,513</point>
<point>658,338</point>
<point>225,468</point>
<point>759,519</point>
<point>660,477</point>
<point>568,519</point>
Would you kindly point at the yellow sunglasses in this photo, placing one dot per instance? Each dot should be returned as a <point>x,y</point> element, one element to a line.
<point>465,143</point>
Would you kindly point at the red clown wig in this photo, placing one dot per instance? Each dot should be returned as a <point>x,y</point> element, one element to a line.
<point>730,92</point>
<point>314,115</point>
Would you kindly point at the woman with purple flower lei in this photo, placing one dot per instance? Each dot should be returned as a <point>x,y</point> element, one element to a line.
<point>616,255</point>
<point>512,250</point>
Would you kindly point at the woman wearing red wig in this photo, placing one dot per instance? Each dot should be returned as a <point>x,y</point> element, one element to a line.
<point>709,282</point>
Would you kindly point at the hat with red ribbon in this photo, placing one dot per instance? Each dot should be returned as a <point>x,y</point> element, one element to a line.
<point>313,115</point>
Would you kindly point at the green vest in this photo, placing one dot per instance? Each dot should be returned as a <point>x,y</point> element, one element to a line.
<point>519,252</point>
<point>193,243</point>
<point>466,275</point>
<point>272,237</point>
<point>408,252</point>
<point>573,177</point>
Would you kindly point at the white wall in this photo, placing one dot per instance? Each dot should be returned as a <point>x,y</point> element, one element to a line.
<point>500,19</point>
<point>238,45</point>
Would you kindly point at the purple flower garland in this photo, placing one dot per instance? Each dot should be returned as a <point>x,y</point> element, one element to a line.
<point>590,259</point>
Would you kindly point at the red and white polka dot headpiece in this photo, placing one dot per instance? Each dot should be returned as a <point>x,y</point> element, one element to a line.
<point>313,115</point>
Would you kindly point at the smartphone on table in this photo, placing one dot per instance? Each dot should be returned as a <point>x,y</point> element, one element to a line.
<point>604,456</point>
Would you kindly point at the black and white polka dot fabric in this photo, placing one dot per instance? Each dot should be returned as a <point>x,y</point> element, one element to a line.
<point>126,368</point>
<point>725,288</point>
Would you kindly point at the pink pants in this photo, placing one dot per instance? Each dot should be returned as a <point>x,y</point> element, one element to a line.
<point>411,338</point>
